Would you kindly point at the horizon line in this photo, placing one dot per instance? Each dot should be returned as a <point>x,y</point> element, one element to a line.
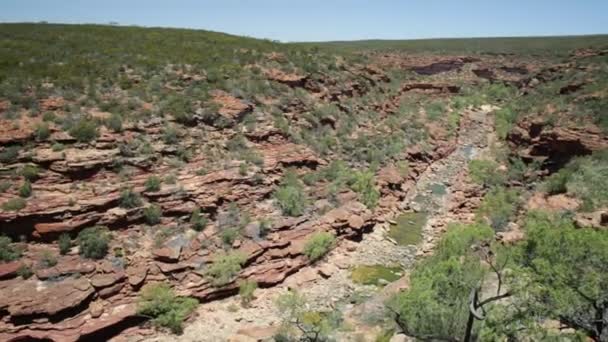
<point>117,24</point>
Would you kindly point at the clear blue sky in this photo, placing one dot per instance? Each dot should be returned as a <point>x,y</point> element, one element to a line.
<point>317,20</point>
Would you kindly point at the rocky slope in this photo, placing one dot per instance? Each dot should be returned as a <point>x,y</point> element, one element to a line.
<point>224,153</point>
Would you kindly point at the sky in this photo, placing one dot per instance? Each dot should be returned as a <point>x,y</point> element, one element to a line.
<point>324,20</point>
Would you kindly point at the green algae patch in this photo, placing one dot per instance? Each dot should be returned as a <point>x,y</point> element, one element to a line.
<point>371,275</point>
<point>408,229</point>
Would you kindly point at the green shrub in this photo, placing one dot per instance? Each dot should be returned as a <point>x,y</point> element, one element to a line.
<point>181,109</point>
<point>498,206</point>
<point>47,259</point>
<point>229,235</point>
<point>586,178</point>
<point>25,272</point>
<point>93,242</point>
<point>30,172</point>
<point>57,147</point>
<point>42,131</point>
<point>10,154</point>
<point>504,119</point>
<point>152,214</point>
<point>290,195</point>
<point>7,251</point>
<point>48,117</point>
<point>4,186</point>
<point>152,184</point>
<point>486,173</point>
<point>436,303</point>
<point>247,291</point>
<point>159,302</point>
<point>435,110</point>
<point>65,243</point>
<point>85,130</point>
<point>363,183</point>
<point>552,257</point>
<point>590,182</point>
<point>25,190</point>
<point>318,245</point>
<point>129,199</point>
<point>14,204</point>
<point>198,221</point>
<point>170,135</point>
<point>114,123</point>
<point>225,267</point>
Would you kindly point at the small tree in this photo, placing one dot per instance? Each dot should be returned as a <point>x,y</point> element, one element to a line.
<point>443,300</point>
<point>300,324</point>
<point>568,272</point>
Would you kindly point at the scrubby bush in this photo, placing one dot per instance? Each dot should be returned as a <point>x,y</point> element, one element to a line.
<point>498,206</point>
<point>590,182</point>
<point>25,272</point>
<point>10,154</point>
<point>152,184</point>
<point>290,195</point>
<point>7,251</point>
<point>170,135</point>
<point>4,186</point>
<point>14,204</point>
<point>159,302</point>
<point>114,122</point>
<point>65,243</point>
<point>93,242</point>
<point>504,119</point>
<point>363,183</point>
<point>486,173</point>
<point>84,130</point>
<point>25,190</point>
<point>181,109</point>
<point>247,291</point>
<point>229,235</point>
<point>152,214</point>
<point>318,245</point>
<point>129,199</point>
<point>42,131</point>
<point>47,259</point>
<point>30,172</point>
<point>585,178</point>
<point>197,220</point>
<point>225,267</point>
